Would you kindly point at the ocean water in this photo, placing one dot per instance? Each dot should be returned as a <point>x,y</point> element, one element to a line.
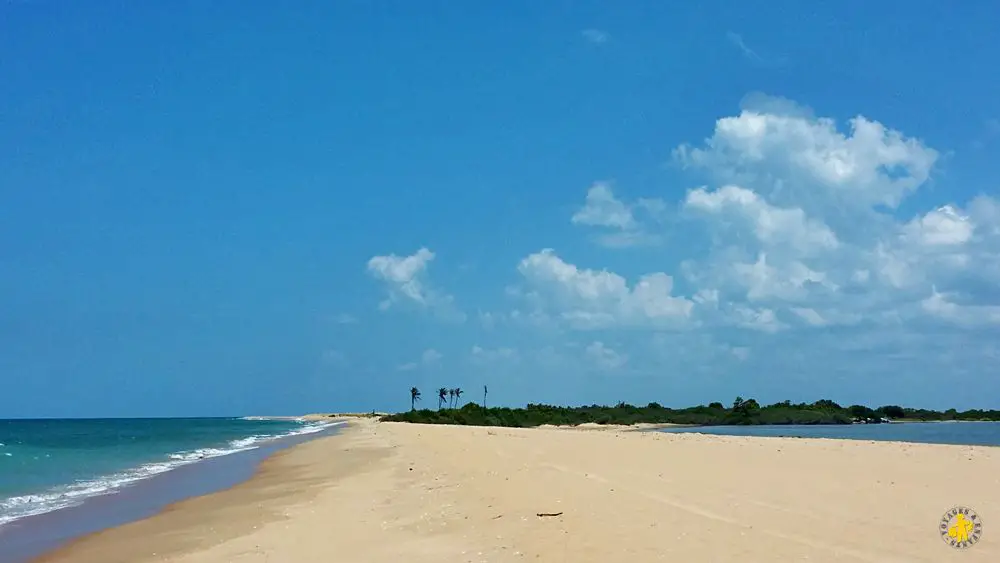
<point>960,433</point>
<point>50,464</point>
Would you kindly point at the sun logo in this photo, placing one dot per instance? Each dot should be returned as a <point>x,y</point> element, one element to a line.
<point>961,527</point>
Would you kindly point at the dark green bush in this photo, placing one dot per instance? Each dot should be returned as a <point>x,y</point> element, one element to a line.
<point>743,412</point>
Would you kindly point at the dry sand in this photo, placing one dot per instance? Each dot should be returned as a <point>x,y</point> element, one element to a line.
<point>388,492</point>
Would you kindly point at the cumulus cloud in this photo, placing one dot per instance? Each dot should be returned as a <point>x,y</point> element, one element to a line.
<point>593,299</point>
<point>871,165</point>
<point>948,247</point>
<point>944,226</point>
<point>812,232</point>
<point>402,274</point>
<point>939,305</point>
<point>603,210</point>
<point>405,278</point>
<point>798,243</point>
<point>802,246</point>
<point>803,232</point>
<point>771,225</point>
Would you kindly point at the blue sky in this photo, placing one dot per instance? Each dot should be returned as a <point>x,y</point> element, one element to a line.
<point>242,207</point>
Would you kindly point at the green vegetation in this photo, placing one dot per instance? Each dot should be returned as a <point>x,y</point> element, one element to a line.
<point>414,397</point>
<point>741,412</point>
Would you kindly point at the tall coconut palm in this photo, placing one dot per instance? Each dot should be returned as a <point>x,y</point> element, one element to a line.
<point>414,397</point>
<point>451,397</point>
<point>458,395</point>
<point>442,394</point>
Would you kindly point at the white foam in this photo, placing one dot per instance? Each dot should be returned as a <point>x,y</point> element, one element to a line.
<point>64,496</point>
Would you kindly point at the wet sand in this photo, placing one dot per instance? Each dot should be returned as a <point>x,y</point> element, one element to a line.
<point>25,538</point>
<point>381,492</point>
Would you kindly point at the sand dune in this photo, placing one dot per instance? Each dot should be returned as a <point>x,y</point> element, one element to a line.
<point>384,492</point>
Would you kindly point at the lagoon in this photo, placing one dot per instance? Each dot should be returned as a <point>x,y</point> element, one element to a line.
<point>958,433</point>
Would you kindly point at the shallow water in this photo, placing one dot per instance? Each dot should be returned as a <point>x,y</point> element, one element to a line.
<point>29,536</point>
<point>50,464</point>
<point>961,433</point>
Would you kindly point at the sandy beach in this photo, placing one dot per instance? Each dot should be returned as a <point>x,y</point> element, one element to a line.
<point>385,492</point>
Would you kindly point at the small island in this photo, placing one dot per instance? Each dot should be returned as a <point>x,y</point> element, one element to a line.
<point>741,412</point>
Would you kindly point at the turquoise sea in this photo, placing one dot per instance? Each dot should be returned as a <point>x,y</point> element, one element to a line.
<point>959,433</point>
<point>50,464</point>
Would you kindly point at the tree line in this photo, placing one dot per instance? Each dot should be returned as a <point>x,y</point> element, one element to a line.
<point>451,396</point>
<point>740,412</point>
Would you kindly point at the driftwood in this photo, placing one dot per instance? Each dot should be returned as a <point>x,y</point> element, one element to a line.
<point>544,514</point>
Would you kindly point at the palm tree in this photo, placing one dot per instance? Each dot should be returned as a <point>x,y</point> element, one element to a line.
<point>458,395</point>
<point>484,396</point>
<point>442,393</point>
<point>451,397</point>
<point>414,397</point>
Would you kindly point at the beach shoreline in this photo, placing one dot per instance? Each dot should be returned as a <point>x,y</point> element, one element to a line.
<point>381,491</point>
<point>183,475</point>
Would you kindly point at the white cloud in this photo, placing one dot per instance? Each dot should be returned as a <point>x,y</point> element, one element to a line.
<point>944,226</point>
<point>402,274</point>
<point>596,36</point>
<point>603,357</point>
<point>806,240</point>
<point>792,282</point>
<point>493,355</point>
<point>799,154</point>
<point>940,306</point>
<point>593,299</point>
<point>603,210</point>
<point>405,279</point>
<point>797,232</point>
<point>762,319</point>
<point>809,254</point>
<point>771,225</point>
<point>946,246</point>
